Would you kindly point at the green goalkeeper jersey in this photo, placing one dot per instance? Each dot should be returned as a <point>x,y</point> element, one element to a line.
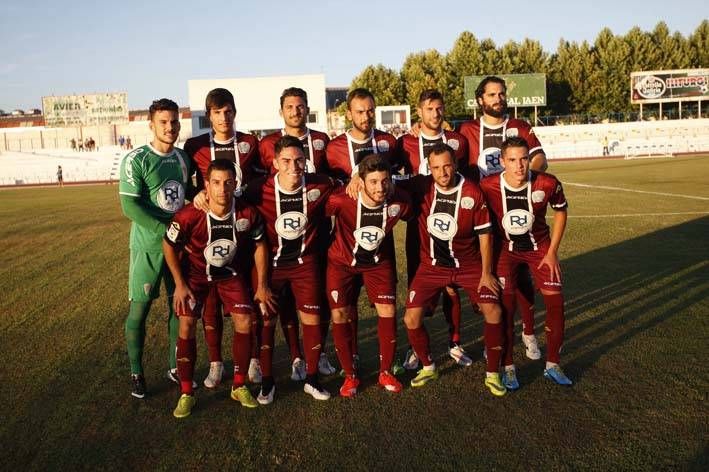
<point>152,189</point>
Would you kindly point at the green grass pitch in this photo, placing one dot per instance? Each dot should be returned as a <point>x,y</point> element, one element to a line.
<point>636,273</point>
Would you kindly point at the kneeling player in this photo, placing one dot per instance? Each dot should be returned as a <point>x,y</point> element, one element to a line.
<point>518,197</point>
<point>212,241</point>
<point>452,212</point>
<point>361,226</point>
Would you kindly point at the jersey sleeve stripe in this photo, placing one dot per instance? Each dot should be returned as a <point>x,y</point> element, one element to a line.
<point>560,205</point>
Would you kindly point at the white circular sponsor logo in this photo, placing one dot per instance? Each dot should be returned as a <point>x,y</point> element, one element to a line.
<point>243,147</point>
<point>538,196</point>
<point>220,253</point>
<point>383,145</point>
<point>442,226</point>
<point>467,203</point>
<point>291,225</point>
<point>369,237</point>
<point>511,132</point>
<point>517,222</point>
<point>454,144</point>
<point>318,144</point>
<point>171,196</point>
<point>313,195</point>
<point>393,210</point>
<point>489,161</point>
<point>242,224</point>
<point>651,87</point>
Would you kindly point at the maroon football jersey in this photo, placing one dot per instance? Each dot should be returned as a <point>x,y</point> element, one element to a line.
<point>413,151</point>
<point>360,230</point>
<point>314,144</point>
<point>214,244</point>
<point>345,152</point>
<point>290,218</point>
<point>203,149</point>
<point>449,221</point>
<point>484,142</point>
<point>520,213</point>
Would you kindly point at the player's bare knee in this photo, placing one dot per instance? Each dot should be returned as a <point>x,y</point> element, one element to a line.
<point>492,312</point>
<point>412,318</point>
<point>242,322</point>
<point>188,327</point>
<point>339,315</point>
<point>385,310</point>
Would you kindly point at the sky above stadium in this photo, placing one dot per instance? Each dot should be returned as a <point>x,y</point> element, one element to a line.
<point>151,49</point>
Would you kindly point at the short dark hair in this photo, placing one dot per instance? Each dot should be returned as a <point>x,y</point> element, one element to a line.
<point>430,94</point>
<point>513,141</point>
<point>294,92</point>
<point>442,148</point>
<point>373,163</point>
<point>218,98</point>
<point>480,90</point>
<point>286,142</point>
<point>220,164</point>
<point>163,104</point>
<point>358,93</point>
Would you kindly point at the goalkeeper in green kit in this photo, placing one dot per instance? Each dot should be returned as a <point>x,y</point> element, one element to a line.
<point>154,181</point>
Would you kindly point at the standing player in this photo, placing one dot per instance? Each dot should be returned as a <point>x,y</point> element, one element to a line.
<point>452,213</point>
<point>360,228</point>
<point>518,198</point>
<point>210,243</point>
<point>485,136</point>
<point>291,203</point>
<point>413,151</point>
<point>154,180</point>
<point>294,110</point>
<point>346,151</point>
<point>222,142</point>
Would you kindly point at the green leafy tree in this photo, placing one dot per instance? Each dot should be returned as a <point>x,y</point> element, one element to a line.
<point>568,85</point>
<point>464,59</point>
<point>699,45</point>
<point>385,83</point>
<point>421,71</point>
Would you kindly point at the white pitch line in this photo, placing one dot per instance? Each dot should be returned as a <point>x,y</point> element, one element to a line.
<point>603,187</point>
<point>624,215</point>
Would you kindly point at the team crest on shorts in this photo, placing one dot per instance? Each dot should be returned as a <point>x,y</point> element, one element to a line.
<point>538,196</point>
<point>313,195</point>
<point>467,203</point>
<point>242,224</point>
<point>243,147</point>
<point>412,294</point>
<point>512,132</point>
<point>318,144</point>
<point>393,210</point>
<point>383,145</point>
<point>147,288</point>
<point>335,295</point>
<point>502,282</point>
<point>454,144</point>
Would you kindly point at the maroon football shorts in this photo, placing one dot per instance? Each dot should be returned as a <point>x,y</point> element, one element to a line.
<point>343,284</point>
<point>429,280</point>
<point>305,283</point>
<point>507,268</point>
<point>233,293</point>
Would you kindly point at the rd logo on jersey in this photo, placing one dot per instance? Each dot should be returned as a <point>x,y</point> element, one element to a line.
<point>442,226</point>
<point>291,225</point>
<point>517,222</point>
<point>369,238</point>
<point>491,161</point>
<point>220,253</point>
<point>171,196</point>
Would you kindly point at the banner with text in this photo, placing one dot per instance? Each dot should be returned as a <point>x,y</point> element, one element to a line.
<point>523,90</point>
<point>85,110</point>
<point>669,85</point>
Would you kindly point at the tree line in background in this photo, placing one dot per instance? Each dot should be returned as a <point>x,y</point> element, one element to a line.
<point>581,78</point>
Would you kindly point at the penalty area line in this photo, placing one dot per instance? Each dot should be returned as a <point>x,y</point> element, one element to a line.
<point>620,189</point>
<point>625,215</point>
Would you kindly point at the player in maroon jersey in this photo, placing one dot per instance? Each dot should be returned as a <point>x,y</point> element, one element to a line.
<point>291,203</point>
<point>222,142</point>
<point>294,110</point>
<point>456,250</point>
<point>413,151</point>
<point>485,136</point>
<point>210,242</point>
<point>361,226</point>
<point>518,197</point>
<point>346,151</point>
